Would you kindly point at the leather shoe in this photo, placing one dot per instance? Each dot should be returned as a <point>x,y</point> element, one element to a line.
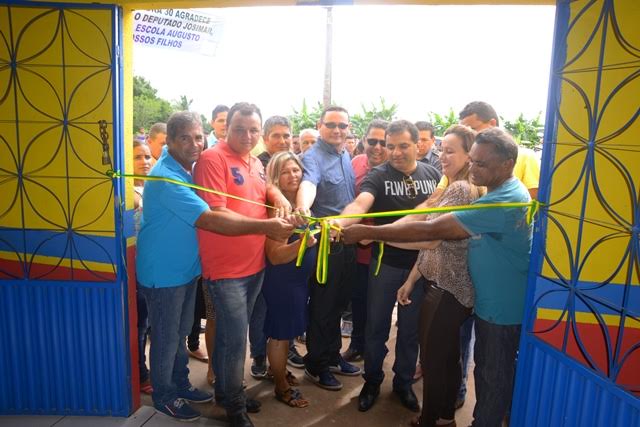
<point>352,355</point>
<point>408,399</point>
<point>252,405</point>
<point>240,420</point>
<point>368,396</point>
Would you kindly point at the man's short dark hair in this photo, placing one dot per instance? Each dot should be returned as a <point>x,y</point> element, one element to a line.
<point>274,121</point>
<point>181,120</point>
<point>219,109</point>
<point>376,124</point>
<point>156,129</point>
<point>333,108</point>
<point>422,126</point>
<point>400,126</point>
<point>245,109</point>
<point>503,144</point>
<point>484,111</point>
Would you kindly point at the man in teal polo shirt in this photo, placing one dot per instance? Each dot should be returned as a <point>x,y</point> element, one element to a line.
<point>498,262</point>
<point>168,264</point>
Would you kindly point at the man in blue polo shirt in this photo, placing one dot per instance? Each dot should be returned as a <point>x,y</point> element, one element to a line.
<point>168,264</point>
<point>498,262</point>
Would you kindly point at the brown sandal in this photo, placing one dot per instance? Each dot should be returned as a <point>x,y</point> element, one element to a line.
<point>291,379</point>
<point>292,397</point>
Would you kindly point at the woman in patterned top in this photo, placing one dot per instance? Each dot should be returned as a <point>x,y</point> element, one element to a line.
<point>449,295</point>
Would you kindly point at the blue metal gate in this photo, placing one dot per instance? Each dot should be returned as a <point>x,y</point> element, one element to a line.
<point>579,362</point>
<point>63,293</point>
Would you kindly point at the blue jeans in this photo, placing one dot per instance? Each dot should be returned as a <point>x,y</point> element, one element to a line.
<point>257,338</point>
<point>381,298</point>
<point>234,300</point>
<point>466,336</point>
<point>170,319</point>
<point>359,307</point>
<point>495,355</point>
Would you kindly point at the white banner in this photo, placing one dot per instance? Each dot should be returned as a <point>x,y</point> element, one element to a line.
<point>185,30</point>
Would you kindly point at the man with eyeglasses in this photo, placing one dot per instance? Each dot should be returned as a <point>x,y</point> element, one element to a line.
<point>328,185</point>
<point>401,183</point>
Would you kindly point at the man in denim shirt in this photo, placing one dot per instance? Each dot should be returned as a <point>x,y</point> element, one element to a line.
<point>328,185</point>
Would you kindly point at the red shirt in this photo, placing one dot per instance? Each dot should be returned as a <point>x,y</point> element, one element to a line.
<point>222,169</point>
<point>361,168</point>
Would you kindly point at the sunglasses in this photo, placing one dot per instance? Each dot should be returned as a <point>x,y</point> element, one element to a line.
<point>410,185</point>
<point>332,125</point>
<point>372,142</point>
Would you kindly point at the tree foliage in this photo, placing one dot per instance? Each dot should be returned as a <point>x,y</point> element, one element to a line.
<point>360,121</point>
<point>308,117</point>
<point>524,131</point>
<point>183,104</point>
<point>305,117</point>
<point>148,108</point>
<point>442,122</point>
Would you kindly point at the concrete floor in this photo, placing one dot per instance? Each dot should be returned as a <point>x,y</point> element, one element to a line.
<point>327,408</point>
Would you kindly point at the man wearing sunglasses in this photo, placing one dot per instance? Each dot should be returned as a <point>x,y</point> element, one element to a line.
<point>401,183</point>
<point>328,185</point>
<point>374,155</point>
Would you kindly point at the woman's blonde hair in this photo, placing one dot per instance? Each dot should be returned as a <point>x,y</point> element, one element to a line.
<point>467,136</point>
<point>277,162</point>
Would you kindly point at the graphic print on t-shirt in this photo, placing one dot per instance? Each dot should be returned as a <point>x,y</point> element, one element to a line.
<point>402,187</point>
<point>238,179</point>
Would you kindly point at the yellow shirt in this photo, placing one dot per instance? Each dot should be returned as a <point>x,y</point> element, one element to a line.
<point>526,169</point>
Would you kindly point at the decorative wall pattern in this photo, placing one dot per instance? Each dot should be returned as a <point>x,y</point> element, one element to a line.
<point>57,218</point>
<point>584,284</point>
<point>63,301</point>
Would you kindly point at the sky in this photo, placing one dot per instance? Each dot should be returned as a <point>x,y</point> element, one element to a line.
<point>422,58</point>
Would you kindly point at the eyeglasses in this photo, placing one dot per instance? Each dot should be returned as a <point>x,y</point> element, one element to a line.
<point>332,125</point>
<point>372,142</point>
<point>410,185</point>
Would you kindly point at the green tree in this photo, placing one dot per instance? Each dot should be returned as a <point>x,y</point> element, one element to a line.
<point>524,131</point>
<point>148,108</point>
<point>442,122</point>
<point>360,121</point>
<point>183,104</point>
<point>305,118</point>
<point>206,127</point>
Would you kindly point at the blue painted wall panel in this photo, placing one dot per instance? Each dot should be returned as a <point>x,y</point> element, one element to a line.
<point>564,393</point>
<point>64,349</point>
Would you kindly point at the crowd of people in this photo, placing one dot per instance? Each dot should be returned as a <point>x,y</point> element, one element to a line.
<point>232,256</point>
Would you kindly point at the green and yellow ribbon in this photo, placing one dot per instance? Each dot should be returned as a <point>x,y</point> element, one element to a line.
<point>325,226</point>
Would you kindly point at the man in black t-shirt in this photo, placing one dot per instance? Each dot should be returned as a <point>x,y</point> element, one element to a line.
<point>401,183</point>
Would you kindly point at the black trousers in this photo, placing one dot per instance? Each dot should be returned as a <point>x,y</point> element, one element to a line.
<point>441,316</point>
<point>326,304</point>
